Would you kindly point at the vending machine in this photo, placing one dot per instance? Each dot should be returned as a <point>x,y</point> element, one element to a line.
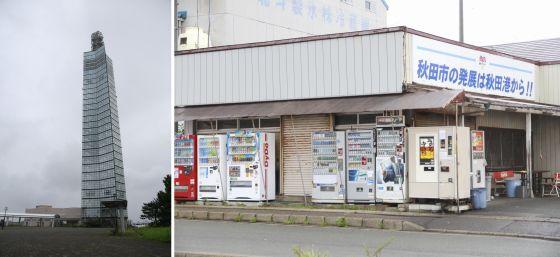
<point>328,149</point>
<point>390,169</point>
<point>478,159</point>
<point>185,168</point>
<point>212,168</point>
<point>439,162</point>
<point>360,163</point>
<point>250,166</point>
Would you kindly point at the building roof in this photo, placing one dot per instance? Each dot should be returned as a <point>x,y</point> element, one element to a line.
<point>353,34</point>
<point>546,50</point>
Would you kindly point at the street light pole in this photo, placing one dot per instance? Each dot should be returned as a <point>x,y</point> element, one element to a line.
<point>461,38</point>
<point>4,220</point>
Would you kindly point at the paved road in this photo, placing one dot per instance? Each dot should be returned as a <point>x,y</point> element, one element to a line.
<point>70,242</point>
<point>258,239</point>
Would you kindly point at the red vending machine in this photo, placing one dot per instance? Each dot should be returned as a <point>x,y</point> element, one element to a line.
<point>185,175</point>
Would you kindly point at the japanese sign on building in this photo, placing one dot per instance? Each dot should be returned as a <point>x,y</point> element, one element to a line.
<point>320,12</point>
<point>441,64</point>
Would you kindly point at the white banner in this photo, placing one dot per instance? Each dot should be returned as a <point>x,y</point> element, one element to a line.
<point>441,64</point>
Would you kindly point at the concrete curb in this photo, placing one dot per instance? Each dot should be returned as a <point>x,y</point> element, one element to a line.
<point>204,254</point>
<point>485,233</point>
<point>339,221</point>
<point>386,213</point>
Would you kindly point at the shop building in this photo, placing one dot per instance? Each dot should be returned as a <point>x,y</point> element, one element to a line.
<point>204,23</point>
<point>293,87</point>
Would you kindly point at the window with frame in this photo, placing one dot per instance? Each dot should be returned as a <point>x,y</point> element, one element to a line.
<point>355,119</point>
<point>345,119</point>
<point>227,124</point>
<point>183,41</point>
<point>369,6</point>
<point>205,124</point>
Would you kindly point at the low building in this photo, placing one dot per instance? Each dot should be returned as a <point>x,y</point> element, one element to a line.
<point>342,81</point>
<point>65,216</point>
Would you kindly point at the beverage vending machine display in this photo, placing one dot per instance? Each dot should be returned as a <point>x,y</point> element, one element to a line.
<point>185,175</point>
<point>250,167</point>
<point>212,168</point>
<point>390,164</point>
<point>360,163</point>
<point>328,149</point>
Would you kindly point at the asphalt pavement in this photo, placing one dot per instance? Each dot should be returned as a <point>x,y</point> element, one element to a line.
<point>70,242</point>
<point>259,239</point>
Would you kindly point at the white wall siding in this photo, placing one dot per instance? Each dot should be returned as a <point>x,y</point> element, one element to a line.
<point>360,65</point>
<point>549,84</point>
<point>228,22</point>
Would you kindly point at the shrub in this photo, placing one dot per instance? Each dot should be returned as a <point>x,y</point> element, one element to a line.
<point>341,222</point>
<point>298,252</point>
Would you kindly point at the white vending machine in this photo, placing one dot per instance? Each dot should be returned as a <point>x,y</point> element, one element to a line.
<point>212,168</point>
<point>250,166</point>
<point>360,166</point>
<point>390,170</point>
<point>478,160</point>
<point>328,149</point>
<point>439,163</point>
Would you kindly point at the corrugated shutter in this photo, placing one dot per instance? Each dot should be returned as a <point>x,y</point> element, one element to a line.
<point>296,151</point>
<point>426,119</point>
<point>546,143</point>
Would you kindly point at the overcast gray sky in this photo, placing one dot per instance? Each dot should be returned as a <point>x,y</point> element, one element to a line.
<point>41,48</point>
<point>486,22</point>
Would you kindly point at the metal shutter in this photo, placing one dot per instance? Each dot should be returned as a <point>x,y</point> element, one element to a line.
<point>296,150</point>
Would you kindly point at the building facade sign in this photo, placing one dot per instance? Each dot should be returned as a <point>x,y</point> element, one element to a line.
<point>321,12</point>
<point>441,64</point>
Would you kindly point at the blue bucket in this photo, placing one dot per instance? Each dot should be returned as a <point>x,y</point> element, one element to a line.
<point>478,198</point>
<point>511,185</point>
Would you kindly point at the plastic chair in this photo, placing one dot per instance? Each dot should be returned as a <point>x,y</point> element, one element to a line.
<point>555,185</point>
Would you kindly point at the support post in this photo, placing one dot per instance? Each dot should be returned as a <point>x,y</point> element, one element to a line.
<point>528,150</point>
<point>462,114</point>
<point>123,223</point>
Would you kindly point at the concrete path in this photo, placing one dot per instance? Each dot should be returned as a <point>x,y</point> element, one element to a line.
<point>545,208</point>
<point>221,238</point>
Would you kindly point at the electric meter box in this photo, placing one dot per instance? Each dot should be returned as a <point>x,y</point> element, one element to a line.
<point>439,162</point>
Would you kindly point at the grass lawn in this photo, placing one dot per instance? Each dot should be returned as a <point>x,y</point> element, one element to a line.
<point>162,234</point>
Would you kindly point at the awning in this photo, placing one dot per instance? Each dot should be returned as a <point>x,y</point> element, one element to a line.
<point>513,105</point>
<point>413,100</point>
